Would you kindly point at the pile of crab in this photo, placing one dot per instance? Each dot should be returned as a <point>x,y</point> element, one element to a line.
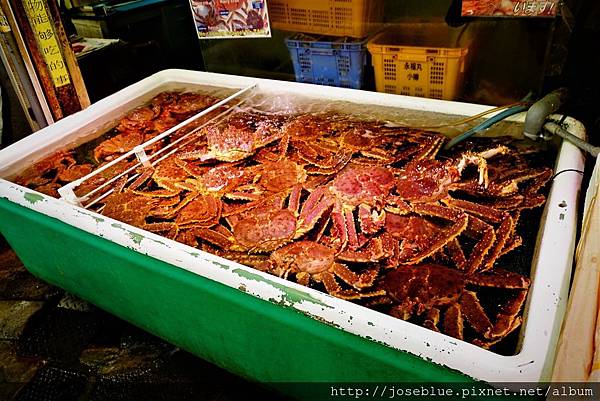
<point>363,211</point>
<point>138,126</point>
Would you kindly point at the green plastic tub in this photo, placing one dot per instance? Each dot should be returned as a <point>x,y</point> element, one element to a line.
<point>256,325</point>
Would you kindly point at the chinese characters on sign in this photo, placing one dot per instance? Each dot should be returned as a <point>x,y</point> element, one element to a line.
<point>4,26</point>
<point>218,19</point>
<point>411,69</point>
<point>41,24</point>
<point>495,8</point>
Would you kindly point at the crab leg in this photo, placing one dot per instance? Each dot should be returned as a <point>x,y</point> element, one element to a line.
<point>514,242</point>
<point>317,203</point>
<point>294,199</point>
<point>219,236</point>
<point>456,253</point>
<point>142,178</point>
<point>358,281</point>
<point>370,221</point>
<point>506,317</point>
<point>533,201</point>
<point>438,241</point>
<point>283,146</point>
<point>257,261</point>
<point>303,278</point>
<point>485,232</point>
<point>453,321</point>
<point>487,344</point>
<point>483,212</point>
<point>427,152</point>
<point>502,234</point>
<point>432,319</point>
<point>328,280</point>
<point>372,252</point>
<point>474,313</point>
<point>351,229</point>
<point>506,203</point>
<point>538,182</point>
<point>339,224</point>
<point>499,278</point>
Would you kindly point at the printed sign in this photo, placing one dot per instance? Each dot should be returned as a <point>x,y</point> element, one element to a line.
<point>510,8</point>
<point>4,26</point>
<point>226,19</point>
<point>41,24</point>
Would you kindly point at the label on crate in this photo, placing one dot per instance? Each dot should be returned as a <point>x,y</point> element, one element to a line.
<point>509,8</point>
<point>43,29</point>
<point>227,19</point>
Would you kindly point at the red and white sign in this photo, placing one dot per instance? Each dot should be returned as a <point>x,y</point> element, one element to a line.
<point>226,19</point>
<point>509,8</point>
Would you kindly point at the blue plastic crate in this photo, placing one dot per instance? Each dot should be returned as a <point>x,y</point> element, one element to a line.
<point>333,62</point>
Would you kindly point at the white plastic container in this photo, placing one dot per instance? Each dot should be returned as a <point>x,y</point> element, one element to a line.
<point>551,267</point>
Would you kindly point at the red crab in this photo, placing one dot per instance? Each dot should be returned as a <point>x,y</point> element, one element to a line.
<point>429,288</point>
<point>311,261</point>
<point>368,189</point>
<point>237,138</point>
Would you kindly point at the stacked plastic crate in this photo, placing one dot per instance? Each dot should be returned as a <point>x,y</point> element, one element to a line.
<point>420,59</point>
<point>335,52</point>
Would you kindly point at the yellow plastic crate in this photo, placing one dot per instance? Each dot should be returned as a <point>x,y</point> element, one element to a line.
<point>404,66</point>
<point>354,18</point>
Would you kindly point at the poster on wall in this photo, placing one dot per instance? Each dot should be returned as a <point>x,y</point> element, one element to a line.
<point>509,8</point>
<point>227,19</point>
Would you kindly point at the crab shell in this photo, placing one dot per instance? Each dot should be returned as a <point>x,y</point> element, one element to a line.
<point>303,256</point>
<point>425,180</point>
<point>356,185</point>
<point>422,287</point>
<point>265,232</point>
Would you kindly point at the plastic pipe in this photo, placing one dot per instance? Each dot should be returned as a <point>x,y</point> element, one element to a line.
<point>556,129</point>
<point>485,125</point>
<point>536,116</point>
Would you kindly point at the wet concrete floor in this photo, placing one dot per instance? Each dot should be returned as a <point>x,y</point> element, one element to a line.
<point>55,347</point>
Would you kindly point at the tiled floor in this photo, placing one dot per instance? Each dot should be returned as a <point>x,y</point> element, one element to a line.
<point>56,347</point>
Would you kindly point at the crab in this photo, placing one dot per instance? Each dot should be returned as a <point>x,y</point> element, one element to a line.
<point>431,181</point>
<point>426,289</point>
<point>237,138</point>
<point>140,119</point>
<point>186,104</point>
<point>368,190</point>
<point>311,261</point>
<point>385,146</point>
<point>512,182</point>
<point>281,175</point>
<point>261,228</point>
<point>52,172</point>
<point>418,237</point>
<point>117,145</point>
<point>311,139</point>
<point>102,177</point>
<point>161,211</point>
<point>46,170</point>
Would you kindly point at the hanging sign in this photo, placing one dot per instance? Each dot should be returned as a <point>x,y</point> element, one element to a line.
<point>226,19</point>
<point>509,8</point>
<point>41,24</point>
<point>4,26</point>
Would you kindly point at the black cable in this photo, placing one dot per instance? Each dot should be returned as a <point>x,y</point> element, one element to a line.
<point>562,120</point>
<point>565,171</point>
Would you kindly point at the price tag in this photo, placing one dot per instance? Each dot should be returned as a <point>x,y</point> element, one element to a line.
<point>43,30</point>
